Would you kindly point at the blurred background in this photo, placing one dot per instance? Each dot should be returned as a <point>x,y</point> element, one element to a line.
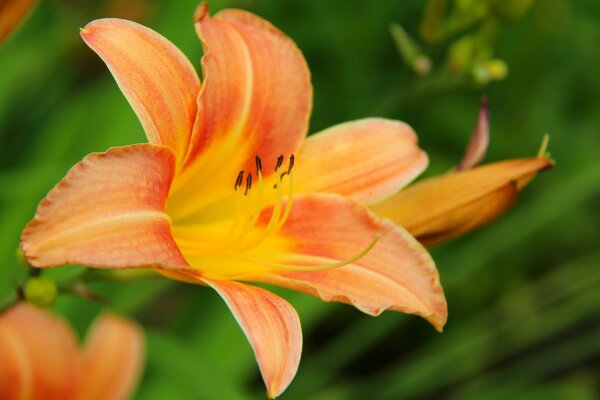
<point>523,292</point>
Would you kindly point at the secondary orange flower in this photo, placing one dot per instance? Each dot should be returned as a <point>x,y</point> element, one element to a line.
<point>42,360</point>
<point>218,197</point>
<point>440,208</point>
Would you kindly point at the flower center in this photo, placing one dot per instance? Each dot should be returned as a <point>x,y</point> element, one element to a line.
<point>250,204</point>
<point>244,239</point>
<point>243,223</point>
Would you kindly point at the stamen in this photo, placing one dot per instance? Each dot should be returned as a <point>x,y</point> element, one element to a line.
<point>318,267</point>
<point>259,203</point>
<point>276,208</point>
<point>276,220</point>
<point>238,181</point>
<point>288,205</point>
<point>279,162</point>
<point>258,165</point>
<point>248,183</point>
<point>283,174</point>
<point>249,208</point>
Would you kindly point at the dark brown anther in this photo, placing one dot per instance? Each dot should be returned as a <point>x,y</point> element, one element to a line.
<point>291,164</point>
<point>283,174</point>
<point>279,162</point>
<point>248,183</point>
<point>239,180</point>
<point>258,164</point>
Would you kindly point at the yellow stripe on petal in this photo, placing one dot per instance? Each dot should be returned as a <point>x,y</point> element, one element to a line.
<point>257,86</point>
<point>108,212</point>
<point>272,327</point>
<point>439,208</point>
<point>367,159</point>
<point>256,101</point>
<point>157,79</point>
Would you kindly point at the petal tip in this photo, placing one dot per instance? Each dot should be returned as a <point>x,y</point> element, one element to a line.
<point>273,392</point>
<point>438,321</point>
<point>201,12</point>
<point>88,29</point>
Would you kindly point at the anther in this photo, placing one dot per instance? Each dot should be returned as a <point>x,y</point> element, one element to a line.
<point>291,164</point>
<point>279,162</point>
<point>258,165</point>
<point>248,183</point>
<point>239,180</point>
<point>283,174</point>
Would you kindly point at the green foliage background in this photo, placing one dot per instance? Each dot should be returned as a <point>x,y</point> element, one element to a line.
<point>523,293</point>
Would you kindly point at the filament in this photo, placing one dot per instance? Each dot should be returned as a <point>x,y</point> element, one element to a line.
<point>318,267</point>
<point>250,202</point>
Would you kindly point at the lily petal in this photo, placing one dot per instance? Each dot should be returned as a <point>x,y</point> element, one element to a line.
<point>367,159</point>
<point>257,93</point>
<point>38,352</point>
<point>156,78</point>
<point>108,212</point>
<point>479,139</point>
<point>111,362</point>
<point>439,208</point>
<point>271,325</point>
<point>396,274</point>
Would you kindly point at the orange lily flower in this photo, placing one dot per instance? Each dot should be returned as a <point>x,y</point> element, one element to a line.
<point>12,13</point>
<point>217,196</point>
<point>42,360</point>
<point>440,208</point>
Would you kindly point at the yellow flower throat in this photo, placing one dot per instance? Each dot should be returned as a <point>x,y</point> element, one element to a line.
<point>245,239</point>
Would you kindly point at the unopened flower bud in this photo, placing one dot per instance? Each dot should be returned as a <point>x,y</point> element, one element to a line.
<point>410,50</point>
<point>511,10</point>
<point>40,291</point>
<point>497,69</point>
<point>432,25</point>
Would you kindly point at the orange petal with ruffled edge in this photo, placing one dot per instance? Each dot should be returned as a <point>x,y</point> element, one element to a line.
<point>108,212</point>
<point>38,354</point>
<point>111,362</point>
<point>257,89</point>
<point>396,274</point>
<point>157,79</point>
<point>442,207</point>
<point>256,100</point>
<point>367,160</point>
<point>272,327</point>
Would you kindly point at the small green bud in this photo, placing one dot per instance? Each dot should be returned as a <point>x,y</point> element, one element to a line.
<point>461,53</point>
<point>40,291</point>
<point>410,50</point>
<point>432,26</point>
<point>497,69</point>
<point>512,10</point>
<point>486,71</point>
<point>480,74</point>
